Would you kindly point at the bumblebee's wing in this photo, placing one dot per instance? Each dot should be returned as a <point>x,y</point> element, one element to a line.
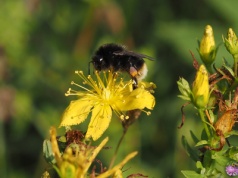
<point>133,54</point>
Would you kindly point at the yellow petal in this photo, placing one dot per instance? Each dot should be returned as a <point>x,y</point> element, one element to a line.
<point>115,169</point>
<point>93,155</point>
<point>76,112</point>
<point>138,99</point>
<point>101,117</point>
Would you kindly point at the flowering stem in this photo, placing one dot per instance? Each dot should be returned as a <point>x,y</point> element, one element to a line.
<point>202,116</point>
<point>235,56</point>
<point>117,148</point>
<point>232,87</point>
<point>209,68</point>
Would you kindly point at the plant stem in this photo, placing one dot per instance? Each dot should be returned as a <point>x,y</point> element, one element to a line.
<point>202,116</point>
<point>235,63</point>
<point>233,86</point>
<point>117,148</point>
<point>209,68</point>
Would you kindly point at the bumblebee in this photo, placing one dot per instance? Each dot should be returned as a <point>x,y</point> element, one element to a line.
<point>116,58</point>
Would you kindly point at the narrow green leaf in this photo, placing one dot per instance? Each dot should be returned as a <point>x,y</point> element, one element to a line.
<point>186,98</point>
<point>207,159</point>
<point>202,142</point>
<point>190,151</point>
<point>184,88</point>
<point>195,139</point>
<point>192,174</point>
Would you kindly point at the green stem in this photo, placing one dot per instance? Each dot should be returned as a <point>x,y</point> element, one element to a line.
<point>202,116</point>
<point>117,148</point>
<point>209,68</point>
<point>235,63</point>
<point>233,86</point>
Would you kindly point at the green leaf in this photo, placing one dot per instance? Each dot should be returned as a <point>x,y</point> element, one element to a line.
<point>220,159</point>
<point>190,151</point>
<point>207,160</point>
<point>195,139</point>
<point>199,165</point>
<point>212,117</point>
<point>233,132</point>
<point>202,142</point>
<point>186,98</point>
<point>192,174</point>
<point>198,41</point>
<point>233,153</point>
<point>184,89</point>
<point>230,70</point>
<point>61,143</point>
<point>48,152</point>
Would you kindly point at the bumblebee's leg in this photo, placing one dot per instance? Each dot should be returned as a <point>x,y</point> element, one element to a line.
<point>135,83</point>
<point>133,73</point>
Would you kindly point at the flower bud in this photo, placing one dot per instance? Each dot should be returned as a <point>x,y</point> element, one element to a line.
<point>201,88</point>
<point>207,47</point>
<point>231,42</point>
<point>68,170</point>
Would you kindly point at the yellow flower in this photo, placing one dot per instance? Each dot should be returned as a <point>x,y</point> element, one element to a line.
<point>76,164</point>
<point>201,88</point>
<point>106,95</point>
<point>207,48</point>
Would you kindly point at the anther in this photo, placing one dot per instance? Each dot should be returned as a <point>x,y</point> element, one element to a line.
<point>148,113</point>
<point>122,117</point>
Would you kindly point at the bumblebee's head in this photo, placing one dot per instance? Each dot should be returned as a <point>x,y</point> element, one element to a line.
<point>99,63</point>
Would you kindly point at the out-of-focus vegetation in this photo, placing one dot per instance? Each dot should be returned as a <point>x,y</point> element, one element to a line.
<point>43,42</point>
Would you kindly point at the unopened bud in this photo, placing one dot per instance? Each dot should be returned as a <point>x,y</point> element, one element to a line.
<point>201,88</point>
<point>207,48</point>
<point>231,42</point>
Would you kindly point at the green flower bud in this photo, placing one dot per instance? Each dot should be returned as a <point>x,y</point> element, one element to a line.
<point>231,42</point>
<point>68,170</point>
<point>48,152</point>
<point>68,166</point>
<point>201,88</point>
<point>207,46</point>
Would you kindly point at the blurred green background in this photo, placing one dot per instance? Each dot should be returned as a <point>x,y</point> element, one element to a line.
<point>42,43</point>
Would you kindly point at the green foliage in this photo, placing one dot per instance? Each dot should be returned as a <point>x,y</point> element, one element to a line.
<point>209,152</point>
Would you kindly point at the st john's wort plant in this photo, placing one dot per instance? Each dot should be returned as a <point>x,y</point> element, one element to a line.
<point>214,95</point>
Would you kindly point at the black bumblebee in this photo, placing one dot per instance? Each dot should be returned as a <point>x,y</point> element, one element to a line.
<point>116,58</point>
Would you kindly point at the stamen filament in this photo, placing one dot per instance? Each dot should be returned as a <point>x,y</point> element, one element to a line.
<point>80,86</point>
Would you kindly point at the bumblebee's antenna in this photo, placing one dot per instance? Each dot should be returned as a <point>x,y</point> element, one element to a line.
<point>89,67</point>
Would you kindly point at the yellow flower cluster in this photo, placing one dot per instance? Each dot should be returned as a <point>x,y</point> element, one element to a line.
<point>72,164</point>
